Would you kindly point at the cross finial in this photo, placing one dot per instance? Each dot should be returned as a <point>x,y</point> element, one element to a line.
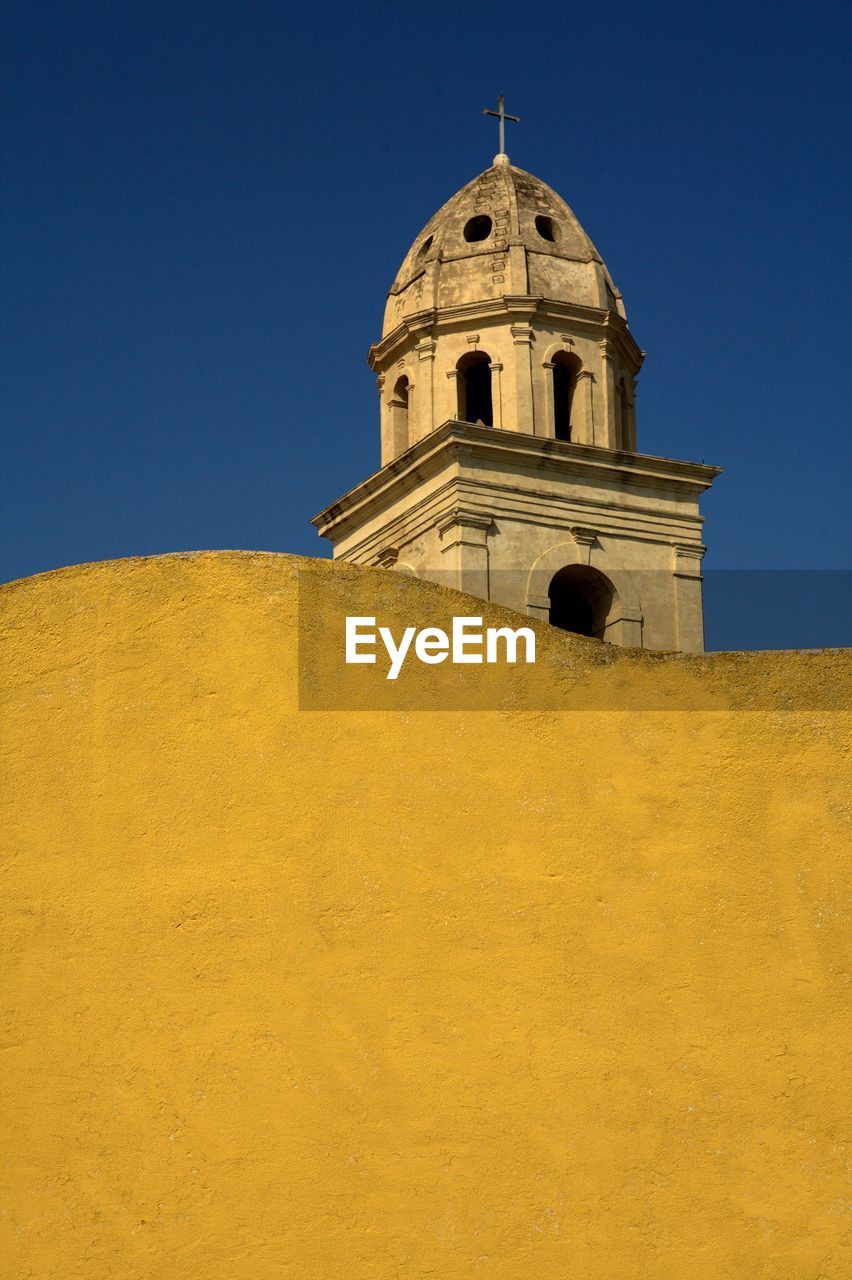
<point>502,117</point>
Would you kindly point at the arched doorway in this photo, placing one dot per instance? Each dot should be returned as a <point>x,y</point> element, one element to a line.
<point>474,382</point>
<point>581,600</point>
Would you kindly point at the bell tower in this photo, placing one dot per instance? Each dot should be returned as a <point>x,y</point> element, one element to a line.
<point>510,468</point>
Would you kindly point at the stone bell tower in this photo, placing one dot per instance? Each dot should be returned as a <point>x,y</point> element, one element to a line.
<point>507,384</point>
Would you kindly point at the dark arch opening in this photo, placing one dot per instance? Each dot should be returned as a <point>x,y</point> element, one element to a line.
<point>545,227</point>
<point>565,370</point>
<point>478,228</point>
<point>475,403</point>
<point>580,600</point>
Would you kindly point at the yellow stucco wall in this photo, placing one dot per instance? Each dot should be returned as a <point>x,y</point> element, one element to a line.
<point>529,994</point>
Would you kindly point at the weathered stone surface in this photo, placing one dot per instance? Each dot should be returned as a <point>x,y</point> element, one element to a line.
<point>504,322</point>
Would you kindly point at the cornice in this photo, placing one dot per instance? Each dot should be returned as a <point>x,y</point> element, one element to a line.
<point>606,324</point>
<point>494,501</point>
<point>457,441</point>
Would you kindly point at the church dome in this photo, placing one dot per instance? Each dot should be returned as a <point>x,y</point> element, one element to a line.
<point>505,233</point>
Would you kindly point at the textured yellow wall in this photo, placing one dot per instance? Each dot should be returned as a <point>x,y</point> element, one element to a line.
<point>298,995</point>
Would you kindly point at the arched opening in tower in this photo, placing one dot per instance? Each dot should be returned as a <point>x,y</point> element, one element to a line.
<point>581,600</point>
<point>399,414</point>
<point>565,370</point>
<point>475,404</point>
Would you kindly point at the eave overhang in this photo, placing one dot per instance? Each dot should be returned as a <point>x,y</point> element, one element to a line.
<point>435,320</point>
<point>454,441</point>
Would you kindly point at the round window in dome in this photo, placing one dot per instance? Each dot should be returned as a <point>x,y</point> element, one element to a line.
<point>478,228</point>
<point>425,246</point>
<point>546,228</point>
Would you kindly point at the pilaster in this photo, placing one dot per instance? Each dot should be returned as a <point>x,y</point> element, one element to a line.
<point>497,392</point>
<point>609,437</point>
<point>522,336</point>
<point>385,422</point>
<point>464,547</point>
<point>584,400</point>
<point>547,417</point>
<point>689,611</point>
<point>453,376</point>
<point>425,350</point>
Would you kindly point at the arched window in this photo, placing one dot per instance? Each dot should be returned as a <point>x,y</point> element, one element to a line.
<point>474,382</point>
<point>399,415</point>
<point>565,370</point>
<point>580,600</point>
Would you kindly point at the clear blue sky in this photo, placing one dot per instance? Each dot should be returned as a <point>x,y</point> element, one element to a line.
<point>204,203</point>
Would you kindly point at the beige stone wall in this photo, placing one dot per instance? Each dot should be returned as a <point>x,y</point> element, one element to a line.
<point>552,277</point>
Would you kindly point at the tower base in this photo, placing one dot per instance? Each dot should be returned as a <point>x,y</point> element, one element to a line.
<point>599,541</point>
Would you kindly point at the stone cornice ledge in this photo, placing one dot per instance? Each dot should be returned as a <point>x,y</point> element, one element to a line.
<point>459,440</point>
<point>527,305</point>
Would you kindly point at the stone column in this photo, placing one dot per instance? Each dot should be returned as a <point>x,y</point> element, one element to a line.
<point>548,423</point>
<point>453,376</point>
<point>522,335</point>
<point>496,393</point>
<point>385,422</point>
<point>689,610</point>
<point>426,399</point>
<point>608,436</point>
<point>464,546</point>
<point>585,402</point>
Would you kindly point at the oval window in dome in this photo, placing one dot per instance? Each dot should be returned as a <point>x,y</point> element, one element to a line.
<point>546,228</point>
<point>478,228</point>
<point>425,246</point>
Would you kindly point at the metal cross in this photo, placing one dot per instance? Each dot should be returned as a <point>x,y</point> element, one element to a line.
<point>502,117</point>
